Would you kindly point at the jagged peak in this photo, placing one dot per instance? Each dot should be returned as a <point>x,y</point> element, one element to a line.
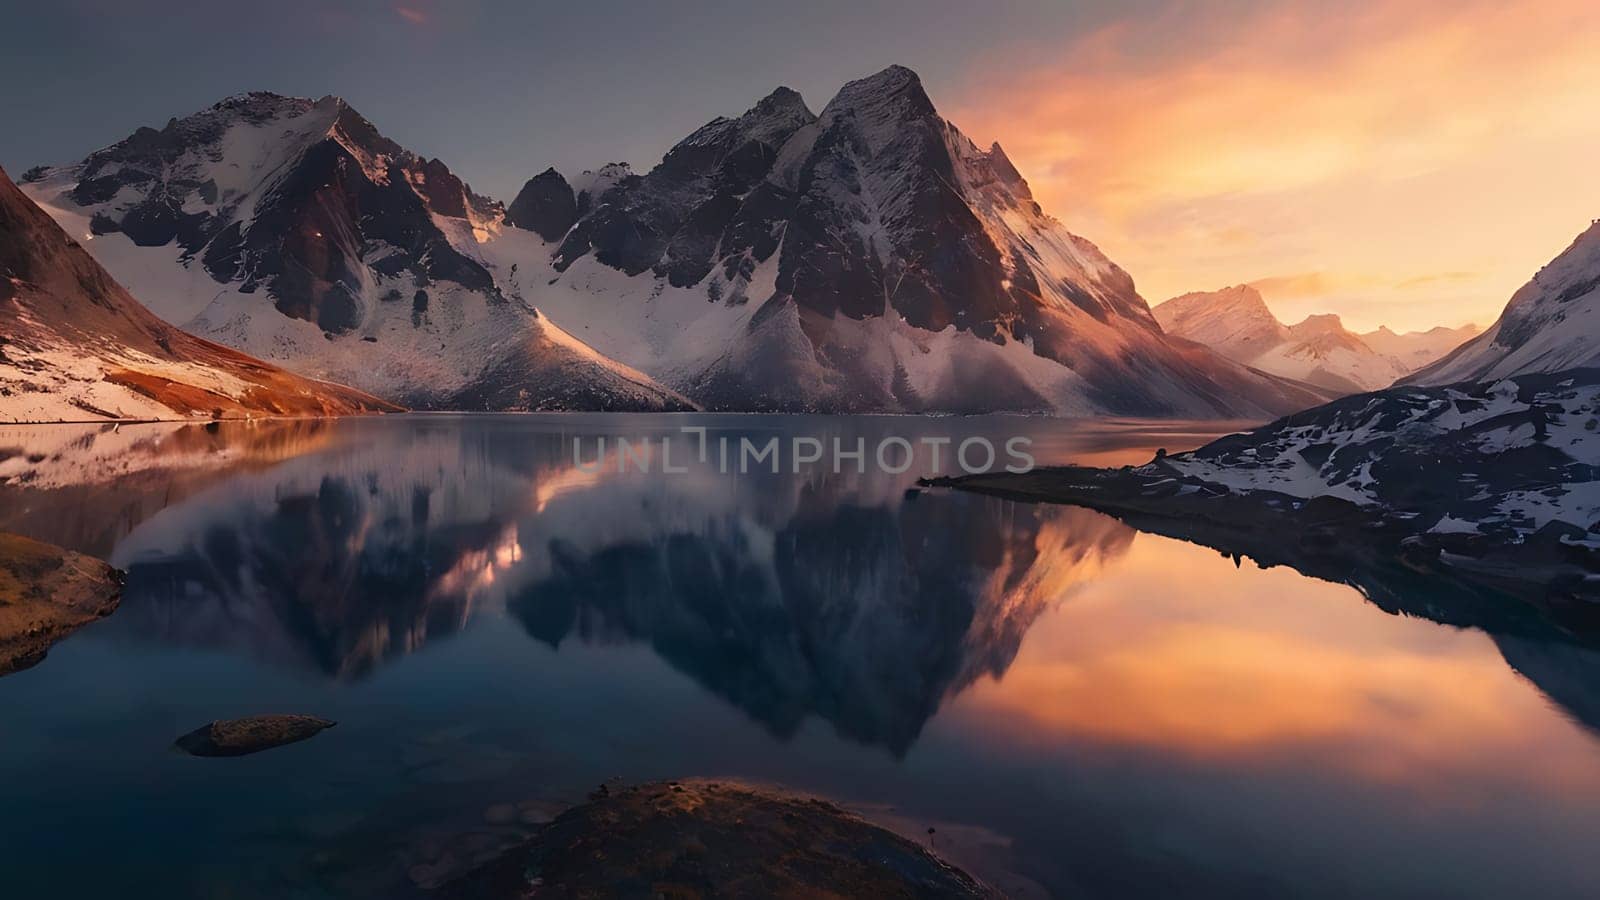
<point>1007,171</point>
<point>782,100</point>
<point>896,87</point>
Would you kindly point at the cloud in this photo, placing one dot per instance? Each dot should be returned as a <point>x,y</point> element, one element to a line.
<point>1217,142</point>
<point>412,14</point>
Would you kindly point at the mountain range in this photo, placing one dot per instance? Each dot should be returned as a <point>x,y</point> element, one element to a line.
<point>865,258</point>
<point>293,230</point>
<point>75,345</point>
<point>1319,350</point>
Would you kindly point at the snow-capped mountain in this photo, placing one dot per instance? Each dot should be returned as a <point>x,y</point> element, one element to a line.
<point>1235,322</point>
<point>294,230</point>
<point>75,346</point>
<point>870,258</point>
<point>1416,349</point>
<point>1551,324</point>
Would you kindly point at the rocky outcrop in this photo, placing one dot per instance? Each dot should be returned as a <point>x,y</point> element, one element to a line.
<point>46,593</point>
<point>242,737</point>
<point>708,839</point>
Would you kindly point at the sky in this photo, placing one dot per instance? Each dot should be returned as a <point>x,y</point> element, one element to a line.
<point>1399,162</point>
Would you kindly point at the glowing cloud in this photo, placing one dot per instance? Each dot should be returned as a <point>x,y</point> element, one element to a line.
<point>1424,158</point>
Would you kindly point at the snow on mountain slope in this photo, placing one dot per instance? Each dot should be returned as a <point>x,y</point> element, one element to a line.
<point>1492,485</point>
<point>869,258</point>
<point>1416,349</point>
<point>1235,322</point>
<point>1552,323</point>
<point>292,229</point>
<point>75,346</point>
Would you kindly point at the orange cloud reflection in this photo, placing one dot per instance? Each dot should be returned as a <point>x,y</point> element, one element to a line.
<point>1174,650</point>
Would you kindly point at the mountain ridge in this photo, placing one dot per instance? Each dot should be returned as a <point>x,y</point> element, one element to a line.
<point>868,258</point>
<point>294,229</point>
<point>876,261</point>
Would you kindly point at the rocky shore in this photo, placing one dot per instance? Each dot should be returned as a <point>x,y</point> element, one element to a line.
<point>1482,491</point>
<point>46,593</point>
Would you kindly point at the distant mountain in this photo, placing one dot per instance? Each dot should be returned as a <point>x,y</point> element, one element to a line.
<point>74,345</point>
<point>1235,322</point>
<point>294,230</point>
<point>1415,349</point>
<point>870,258</point>
<point>1551,324</point>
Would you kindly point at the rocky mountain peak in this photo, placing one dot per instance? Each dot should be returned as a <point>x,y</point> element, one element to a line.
<point>1239,311</point>
<point>783,101</point>
<point>1318,323</point>
<point>897,89</point>
<point>1007,172</point>
<point>546,205</point>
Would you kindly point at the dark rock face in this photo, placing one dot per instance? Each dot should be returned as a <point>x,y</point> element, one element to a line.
<point>350,193</point>
<point>706,839</point>
<point>671,220</point>
<point>242,737</point>
<point>545,206</point>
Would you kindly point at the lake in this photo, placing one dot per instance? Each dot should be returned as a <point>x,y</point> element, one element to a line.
<point>1073,707</point>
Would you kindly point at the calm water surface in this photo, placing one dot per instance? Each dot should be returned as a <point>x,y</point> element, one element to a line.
<point>1077,708</point>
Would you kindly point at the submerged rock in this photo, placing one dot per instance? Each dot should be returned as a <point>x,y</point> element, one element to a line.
<point>708,839</point>
<point>239,737</point>
<point>46,593</point>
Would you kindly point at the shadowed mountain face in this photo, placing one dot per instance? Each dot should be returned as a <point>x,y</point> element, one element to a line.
<point>293,229</point>
<point>75,345</point>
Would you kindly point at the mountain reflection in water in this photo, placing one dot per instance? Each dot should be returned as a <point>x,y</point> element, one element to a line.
<point>830,595</point>
<point>1111,712</point>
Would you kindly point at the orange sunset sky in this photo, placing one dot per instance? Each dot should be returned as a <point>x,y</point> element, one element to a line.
<point>1400,162</point>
